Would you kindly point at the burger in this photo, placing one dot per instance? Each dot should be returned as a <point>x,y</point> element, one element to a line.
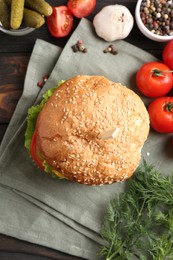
<point>88,130</point>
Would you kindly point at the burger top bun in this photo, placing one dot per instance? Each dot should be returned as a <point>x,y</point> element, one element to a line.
<point>71,127</point>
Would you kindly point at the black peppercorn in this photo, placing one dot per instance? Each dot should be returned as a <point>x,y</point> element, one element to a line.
<point>74,48</point>
<point>111,49</point>
<point>79,47</point>
<point>85,50</point>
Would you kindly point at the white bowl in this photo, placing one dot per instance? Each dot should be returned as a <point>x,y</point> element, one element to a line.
<point>147,32</point>
<point>18,32</point>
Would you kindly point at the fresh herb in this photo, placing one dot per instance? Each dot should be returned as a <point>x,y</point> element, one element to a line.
<point>49,169</point>
<point>139,223</point>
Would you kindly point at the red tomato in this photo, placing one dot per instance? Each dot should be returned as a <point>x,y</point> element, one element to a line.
<point>167,54</point>
<point>81,8</point>
<point>60,22</point>
<point>154,79</point>
<point>34,152</point>
<point>161,114</point>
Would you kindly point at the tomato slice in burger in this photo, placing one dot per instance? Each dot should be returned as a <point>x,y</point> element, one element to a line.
<point>34,152</point>
<point>81,8</point>
<point>60,22</point>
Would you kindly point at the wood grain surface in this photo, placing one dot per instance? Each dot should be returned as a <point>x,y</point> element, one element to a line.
<point>9,245</point>
<point>12,74</point>
<point>14,56</point>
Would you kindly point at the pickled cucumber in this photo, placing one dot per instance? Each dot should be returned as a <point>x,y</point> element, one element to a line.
<point>40,6</point>
<point>4,14</point>
<point>17,8</point>
<point>32,18</point>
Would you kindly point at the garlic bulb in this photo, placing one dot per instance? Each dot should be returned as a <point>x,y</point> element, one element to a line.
<point>113,22</point>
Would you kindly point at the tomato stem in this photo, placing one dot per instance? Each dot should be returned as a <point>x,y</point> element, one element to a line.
<point>159,73</point>
<point>169,107</point>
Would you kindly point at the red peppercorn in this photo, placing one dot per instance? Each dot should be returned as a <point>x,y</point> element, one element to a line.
<point>143,15</point>
<point>155,24</point>
<point>80,42</point>
<point>40,84</point>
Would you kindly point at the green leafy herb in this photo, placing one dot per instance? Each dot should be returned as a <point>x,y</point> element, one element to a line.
<point>139,223</point>
<point>51,171</point>
<point>33,114</point>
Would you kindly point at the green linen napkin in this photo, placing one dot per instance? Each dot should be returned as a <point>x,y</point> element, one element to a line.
<point>22,219</point>
<point>27,221</point>
<point>76,207</point>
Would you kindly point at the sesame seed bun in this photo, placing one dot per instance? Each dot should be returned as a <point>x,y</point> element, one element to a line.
<point>70,125</point>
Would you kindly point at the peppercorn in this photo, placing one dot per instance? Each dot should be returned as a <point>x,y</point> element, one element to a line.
<point>157,16</point>
<point>40,84</point>
<point>79,47</point>
<point>79,42</point>
<point>74,47</point>
<point>45,78</point>
<point>85,50</point>
<point>112,49</point>
<point>106,50</point>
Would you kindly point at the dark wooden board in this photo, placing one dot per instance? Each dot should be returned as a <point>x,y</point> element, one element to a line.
<point>11,249</point>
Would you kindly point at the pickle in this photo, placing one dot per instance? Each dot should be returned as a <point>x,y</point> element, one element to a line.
<point>32,18</point>
<point>17,8</point>
<point>4,14</point>
<point>40,6</point>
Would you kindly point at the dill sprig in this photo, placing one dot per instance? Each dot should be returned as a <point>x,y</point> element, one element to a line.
<point>139,222</point>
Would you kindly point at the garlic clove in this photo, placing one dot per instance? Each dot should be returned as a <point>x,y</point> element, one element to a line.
<point>113,22</point>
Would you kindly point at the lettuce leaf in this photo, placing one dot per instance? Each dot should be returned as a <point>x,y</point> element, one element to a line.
<point>33,114</point>
<point>51,171</point>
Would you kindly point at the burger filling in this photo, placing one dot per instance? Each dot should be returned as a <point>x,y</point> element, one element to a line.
<point>30,135</point>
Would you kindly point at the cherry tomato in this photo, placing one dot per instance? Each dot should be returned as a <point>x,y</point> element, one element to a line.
<point>154,79</point>
<point>81,8</point>
<point>60,22</point>
<point>34,152</point>
<point>161,114</point>
<point>167,54</point>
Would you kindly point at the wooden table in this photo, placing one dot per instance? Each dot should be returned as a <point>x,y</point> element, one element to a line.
<point>14,56</point>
